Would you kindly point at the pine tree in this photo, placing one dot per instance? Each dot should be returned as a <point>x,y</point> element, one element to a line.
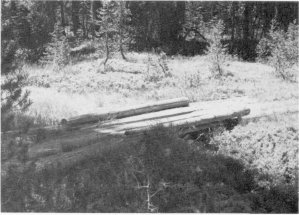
<point>13,99</point>
<point>123,26</point>
<point>58,51</point>
<point>113,21</point>
<point>107,22</point>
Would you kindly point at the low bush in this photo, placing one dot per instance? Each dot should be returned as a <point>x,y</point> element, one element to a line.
<point>272,151</point>
<point>217,52</point>
<point>280,49</point>
<point>192,80</point>
<point>156,68</point>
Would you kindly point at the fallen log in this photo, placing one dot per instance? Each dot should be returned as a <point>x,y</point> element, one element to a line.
<point>151,116</point>
<point>84,137</point>
<point>91,145</point>
<point>126,112</point>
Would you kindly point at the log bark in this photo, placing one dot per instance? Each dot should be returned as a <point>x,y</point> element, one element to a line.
<point>126,112</point>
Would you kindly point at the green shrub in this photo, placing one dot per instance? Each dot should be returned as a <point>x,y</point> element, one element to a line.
<point>280,48</point>
<point>217,52</point>
<point>13,99</point>
<point>275,199</point>
<point>272,151</point>
<point>192,80</point>
<point>153,73</point>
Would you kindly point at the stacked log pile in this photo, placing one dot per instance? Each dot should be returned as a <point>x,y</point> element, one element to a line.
<point>86,136</point>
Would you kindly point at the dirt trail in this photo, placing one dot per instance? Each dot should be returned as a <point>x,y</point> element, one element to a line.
<point>257,108</point>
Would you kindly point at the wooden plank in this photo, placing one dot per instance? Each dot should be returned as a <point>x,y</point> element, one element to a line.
<point>100,144</point>
<point>84,137</point>
<point>127,111</point>
<point>196,117</point>
<point>150,116</point>
<point>81,138</point>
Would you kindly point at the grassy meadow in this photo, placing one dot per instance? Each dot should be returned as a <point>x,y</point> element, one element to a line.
<point>251,168</point>
<point>85,86</point>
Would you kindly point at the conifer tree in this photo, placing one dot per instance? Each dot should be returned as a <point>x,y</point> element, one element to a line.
<point>123,26</point>
<point>113,22</point>
<point>58,51</point>
<point>13,98</point>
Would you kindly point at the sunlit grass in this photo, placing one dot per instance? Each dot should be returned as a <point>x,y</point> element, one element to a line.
<point>84,86</point>
<point>268,144</point>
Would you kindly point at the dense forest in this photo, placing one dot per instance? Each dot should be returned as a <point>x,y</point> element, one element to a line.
<point>60,59</point>
<point>175,27</point>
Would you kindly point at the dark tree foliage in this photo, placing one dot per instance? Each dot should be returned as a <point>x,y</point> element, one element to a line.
<point>13,100</point>
<point>176,27</point>
<point>75,16</point>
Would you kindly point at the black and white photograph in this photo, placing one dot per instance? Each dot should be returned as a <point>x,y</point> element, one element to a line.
<point>149,106</point>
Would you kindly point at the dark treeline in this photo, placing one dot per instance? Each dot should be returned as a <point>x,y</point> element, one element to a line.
<point>176,27</point>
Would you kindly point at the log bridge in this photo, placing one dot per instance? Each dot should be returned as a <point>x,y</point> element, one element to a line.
<point>83,137</point>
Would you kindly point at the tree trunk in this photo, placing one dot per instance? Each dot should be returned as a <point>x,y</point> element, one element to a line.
<point>84,26</point>
<point>246,31</point>
<point>107,47</point>
<point>233,20</point>
<point>75,16</point>
<point>62,16</point>
<point>121,48</point>
<point>92,25</point>
<point>121,26</point>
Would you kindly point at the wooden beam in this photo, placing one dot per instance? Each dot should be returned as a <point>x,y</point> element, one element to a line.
<point>195,118</point>
<point>150,116</point>
<point>127,111</point>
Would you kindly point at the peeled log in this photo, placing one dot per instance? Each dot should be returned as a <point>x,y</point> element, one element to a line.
<point>82,138</point>
<point>195,118</point>
<point>126,112</point>
<point>91,145</point>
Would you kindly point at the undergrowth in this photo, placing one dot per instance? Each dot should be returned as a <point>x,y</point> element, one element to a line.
<point>273,150</point>
<point>161,173</point>
<point>280,49</point>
